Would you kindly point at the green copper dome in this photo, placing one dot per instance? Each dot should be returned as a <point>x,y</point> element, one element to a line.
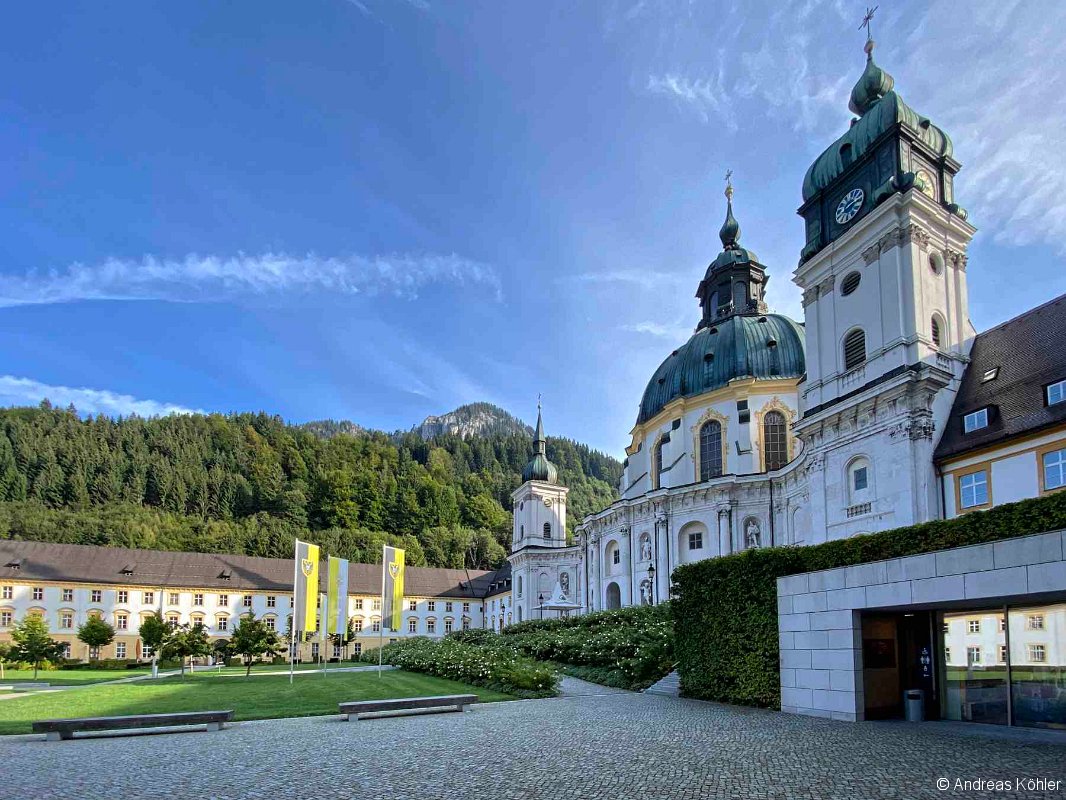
<point>740,346</point>
<point>539,467</point>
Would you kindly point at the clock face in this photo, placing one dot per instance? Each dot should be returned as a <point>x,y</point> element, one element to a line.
<point>849,206</point>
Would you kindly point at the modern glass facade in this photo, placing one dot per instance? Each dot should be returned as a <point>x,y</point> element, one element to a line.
<point>1005,665</point>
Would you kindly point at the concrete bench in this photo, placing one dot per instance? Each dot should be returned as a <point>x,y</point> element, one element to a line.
<point>56,729</point>
<point>448,702</point>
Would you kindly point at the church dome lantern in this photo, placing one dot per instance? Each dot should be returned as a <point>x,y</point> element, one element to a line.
<point>539,468</point>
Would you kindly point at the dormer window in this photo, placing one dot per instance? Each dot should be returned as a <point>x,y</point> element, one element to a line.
<point>15,563</point>
<point>975,420</point>
<point>128,569</point>
<point>1056,392</point>
<point>990,375</point>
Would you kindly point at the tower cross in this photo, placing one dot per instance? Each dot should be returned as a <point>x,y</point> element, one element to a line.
<point>729,184</point>
<point>866,20</point>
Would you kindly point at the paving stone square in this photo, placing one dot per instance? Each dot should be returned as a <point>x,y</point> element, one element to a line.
<point>582,745</point>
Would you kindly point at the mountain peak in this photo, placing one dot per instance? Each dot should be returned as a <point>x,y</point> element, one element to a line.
<point>472,419</point>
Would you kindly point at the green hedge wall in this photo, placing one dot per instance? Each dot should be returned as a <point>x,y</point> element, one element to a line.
<point>725,609</point>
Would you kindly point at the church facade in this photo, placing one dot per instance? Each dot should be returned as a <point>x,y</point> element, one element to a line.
<point>884,407</point>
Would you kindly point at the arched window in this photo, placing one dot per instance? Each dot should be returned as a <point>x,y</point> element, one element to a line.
<point>845,155</point>
<point>547,530</point>
<point>935,330</point>
<point>775,440</point>
<point>713,305</point>
<point>521,531</point>
<point>518,585</point>
<point>854,349</point>
<point>614,596</point>
<point>859,481</point>
<point>710,450</point>
<point>657,466</point>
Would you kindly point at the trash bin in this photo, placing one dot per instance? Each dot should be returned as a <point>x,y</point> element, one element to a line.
<point>914,705</point>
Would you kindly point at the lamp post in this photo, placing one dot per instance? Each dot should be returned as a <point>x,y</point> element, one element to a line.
<point>651,577</point>
<point>540,605</point>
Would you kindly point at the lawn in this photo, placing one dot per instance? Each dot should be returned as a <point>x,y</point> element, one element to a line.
<point>69,677</point>
<point>261,697</point>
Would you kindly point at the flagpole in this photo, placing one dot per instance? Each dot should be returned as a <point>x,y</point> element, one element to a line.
<point>292,617</point>
<point>324,623</point>
<point>381,625</point>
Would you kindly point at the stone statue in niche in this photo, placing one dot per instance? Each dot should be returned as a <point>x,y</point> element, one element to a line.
<point>645,592</point>
<point>752,534</point>
<point>564,583</point>
<point>645,547</point>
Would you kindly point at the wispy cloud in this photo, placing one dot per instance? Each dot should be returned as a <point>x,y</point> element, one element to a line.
<point>706,97</point>
<point>674,332</point>
<point>646,279</point>
<point>227,278</point>
<point>361,6</point>
<point>15,391</point>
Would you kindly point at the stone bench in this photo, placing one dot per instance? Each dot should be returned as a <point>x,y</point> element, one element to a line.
<point>448,702</point>
<point>56,729</point>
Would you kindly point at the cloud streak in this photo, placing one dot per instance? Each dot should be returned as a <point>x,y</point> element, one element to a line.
<point>211,278</point>
<point>16,391</point>
<point>645,279</point>
<point>675,332</point>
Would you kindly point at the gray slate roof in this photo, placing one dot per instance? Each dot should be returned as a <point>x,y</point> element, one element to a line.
<point>1029,352</point>
<point>80,563</point>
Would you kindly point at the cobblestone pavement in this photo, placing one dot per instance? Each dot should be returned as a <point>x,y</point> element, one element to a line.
<point>611,745</point>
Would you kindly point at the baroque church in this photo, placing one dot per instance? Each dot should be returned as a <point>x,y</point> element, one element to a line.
<point>882,408</point>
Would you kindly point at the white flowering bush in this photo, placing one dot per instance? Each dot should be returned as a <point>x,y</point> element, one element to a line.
<point>500,668</point>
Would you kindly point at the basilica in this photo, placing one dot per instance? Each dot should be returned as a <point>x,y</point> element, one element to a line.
<point>883,407</point>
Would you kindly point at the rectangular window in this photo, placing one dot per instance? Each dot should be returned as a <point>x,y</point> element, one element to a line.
<point>466,608</point>
<point>223,600</point>
<point>122,622</point>
<point>120,649</point>
<point>359,604</point>
<point>743,413</point>
<point>66,620</point>
<point>271,623</point>
<point>123,596</point>
<point>1037,653</point>
<point>1035,622</point>
<point>448,607</point>
<point>146,651</point>
<point>272,601</point>
<point>174,598</point>
<point>412,625</point>
<point>7,592</point>
<point>1002,624</point>
<point>149,598</point>
<point>376,606</point>
<point>1003,654</point>
<point>357,625</point>
<point>973,655</point>
<point>695,540</point>
<point>247,601</point>
<point>431,625</point>
<point>1055,469</point>
<point>431,605</point>
<point>336,650</point>
<point>466,623</point>
<point>357,649</point>
<point>860,478</point>
<point>68,595</point>
<point>172,619</point>
<point>222,623</point>
<point>975,420</point>
<point>198,599</point>
<point>5,619</point>
<point>973,489</point>
<point>1056,392</point>
<point>376,625</point>
<point>974,626</point>
<point>38,593</point>
<point>314,649</point>
<point>412,605</point>
<point>448,624</point>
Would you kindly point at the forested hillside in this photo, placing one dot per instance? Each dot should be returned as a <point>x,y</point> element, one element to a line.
<point>249,483</point>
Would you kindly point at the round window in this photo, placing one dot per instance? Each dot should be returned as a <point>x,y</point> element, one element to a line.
<point>850,283</point>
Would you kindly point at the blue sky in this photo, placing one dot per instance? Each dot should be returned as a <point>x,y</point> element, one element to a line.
<point>380,209</point>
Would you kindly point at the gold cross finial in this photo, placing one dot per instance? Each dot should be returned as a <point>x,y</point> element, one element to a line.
<point>729,184</point>
<point>538,401</point>
<point>867,20</point>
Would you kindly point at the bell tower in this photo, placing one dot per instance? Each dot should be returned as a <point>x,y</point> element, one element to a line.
<point>883,274</point>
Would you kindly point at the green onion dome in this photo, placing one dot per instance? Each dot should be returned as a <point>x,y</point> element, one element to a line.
<point>539,467</point>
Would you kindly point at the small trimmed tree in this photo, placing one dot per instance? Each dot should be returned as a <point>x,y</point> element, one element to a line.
<point>153,632</point>
<point>253,639</point>
<point>96,633</point>
<point>186,641</point>
<point>33,645</point>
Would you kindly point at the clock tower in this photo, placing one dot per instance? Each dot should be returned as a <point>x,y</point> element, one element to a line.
<point>542,563</point>
<point>883,274</point>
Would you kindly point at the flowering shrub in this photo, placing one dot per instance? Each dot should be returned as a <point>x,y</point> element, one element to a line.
<point>499,668</point>
<point>631,647</point>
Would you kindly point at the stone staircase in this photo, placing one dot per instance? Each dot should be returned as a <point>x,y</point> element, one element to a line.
<point>670,686</point>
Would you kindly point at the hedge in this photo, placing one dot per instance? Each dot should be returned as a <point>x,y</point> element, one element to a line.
<point>630,648</point>
<point>725,609</point>
<point>497,667</point>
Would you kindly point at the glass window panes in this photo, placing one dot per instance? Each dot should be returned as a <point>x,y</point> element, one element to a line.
<point>775,440</point>
<point>975,677</point>
<point>861,479</point>
<point>975,420</point>
<point>1038,665</point>
<point>973,489</point>
<point>695,540</point>
<point>710,450</point>
<point>1056,392</point>
<point>1055,469</point>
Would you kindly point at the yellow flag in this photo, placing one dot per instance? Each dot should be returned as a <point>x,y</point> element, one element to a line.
<point>305,591</point>
<point>392,591</point>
